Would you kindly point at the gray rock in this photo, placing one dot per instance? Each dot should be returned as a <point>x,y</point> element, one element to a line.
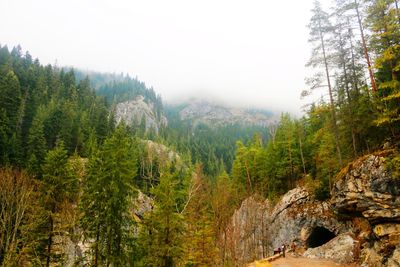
<point>247,231</point>
<point>341,249</point>
<point>296,216</point>
<point>256,229</point>
<point>133,111</point>
<point>215,114</point>
<point>365,188</point>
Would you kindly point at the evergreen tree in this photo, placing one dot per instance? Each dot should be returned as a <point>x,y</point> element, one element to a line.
<point>162,230</point>
<point>385,26</point>
<point>60,187</point>
<point>108,190</point>
<point>36,144</point>
<point>320,27</point>
<point>199,240</point>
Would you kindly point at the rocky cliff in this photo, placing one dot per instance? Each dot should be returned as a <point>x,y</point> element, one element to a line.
<point>137,111</point>
<point>246,234</point>
<point>367,193</point>
<point>257,228</point>
<point>361,221</point>
<point>205,112</point>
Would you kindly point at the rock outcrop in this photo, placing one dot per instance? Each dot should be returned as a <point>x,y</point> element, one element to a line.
<point>75,252</point>
<point>246,234</point>
<point>136,111</point>
<point>361,221</point>
<point>367,188</point>
<point>341,249</point>
<point>296,216</point>
<point>366,191</point>
<point>257,228</point>
<point>214,114</point>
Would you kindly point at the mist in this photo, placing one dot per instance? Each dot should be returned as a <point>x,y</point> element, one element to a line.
<point>241,53</point>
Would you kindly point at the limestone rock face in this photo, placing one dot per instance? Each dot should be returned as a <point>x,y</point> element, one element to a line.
<point>342,249</point>
<point>137,110</point>
<point>246,233</point>
<point>395,260</point>
<point>368,189</point>
<point>296,216</point>
<point>381,255</point>
<point>202,111</point>
<point>361,221</point>
<point>256,229</point>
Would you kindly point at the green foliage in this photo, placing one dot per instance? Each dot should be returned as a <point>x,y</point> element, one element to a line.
<point>162,230</point>
<point>107,194</point>
<point>200,235</point>
<point>59,193</point>
<point>48,114</point>
<point>383,21</point>
<point>58,178</point>
<point>392,164</point>
<point>39,105</point>
<point>213,146</point>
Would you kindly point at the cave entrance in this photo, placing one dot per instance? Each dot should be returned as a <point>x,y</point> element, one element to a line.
<point>319,236</point>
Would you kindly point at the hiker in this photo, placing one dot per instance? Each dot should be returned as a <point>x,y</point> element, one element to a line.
<point>283,250</point>
<point>293,246</point>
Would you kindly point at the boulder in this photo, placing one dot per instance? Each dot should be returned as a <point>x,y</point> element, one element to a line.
<point>341,249</point>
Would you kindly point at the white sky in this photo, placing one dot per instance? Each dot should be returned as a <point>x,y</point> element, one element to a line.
<point>245,52</point>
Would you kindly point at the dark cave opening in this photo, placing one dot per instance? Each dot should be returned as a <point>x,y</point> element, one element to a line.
<point>319,236</point>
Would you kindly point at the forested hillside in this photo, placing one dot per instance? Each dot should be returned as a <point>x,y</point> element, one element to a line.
<point>71,178</point>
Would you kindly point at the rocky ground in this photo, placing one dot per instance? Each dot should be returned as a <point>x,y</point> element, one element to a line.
<point>291,261</point>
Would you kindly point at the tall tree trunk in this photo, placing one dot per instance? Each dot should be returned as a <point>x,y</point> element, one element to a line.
<point>96,249</point>
<point>302,156</point>
<point>353,61</point>
<point>249,185</point>
<point>349,100</point>
<point>291,164</point>
<point>50,242</point>
<point>366,54</point>
<point>333,111</point>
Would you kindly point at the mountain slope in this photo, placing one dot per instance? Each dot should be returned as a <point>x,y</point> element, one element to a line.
<point>215,114</point>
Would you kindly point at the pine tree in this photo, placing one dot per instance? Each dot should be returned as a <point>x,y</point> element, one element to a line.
<point>199,240</point>
<point>320,27</point>
<point>36,144</point>
<point>108,190</point>
<point>224,200</point>
<point>162,230</point>
<point>385,42</point>
<point>60,187</point>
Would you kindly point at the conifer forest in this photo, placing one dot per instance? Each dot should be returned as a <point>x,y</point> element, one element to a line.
<point>156,189</point>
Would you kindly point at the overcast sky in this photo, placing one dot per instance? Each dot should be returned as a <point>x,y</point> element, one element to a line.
<point>246,52</point>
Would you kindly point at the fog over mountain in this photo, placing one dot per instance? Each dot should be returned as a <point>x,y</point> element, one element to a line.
<point>234,51</point>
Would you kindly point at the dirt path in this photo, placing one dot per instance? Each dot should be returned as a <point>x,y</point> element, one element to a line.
<point>291,261</point>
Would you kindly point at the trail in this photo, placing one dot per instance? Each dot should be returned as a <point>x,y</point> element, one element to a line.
<point>291,261</point>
